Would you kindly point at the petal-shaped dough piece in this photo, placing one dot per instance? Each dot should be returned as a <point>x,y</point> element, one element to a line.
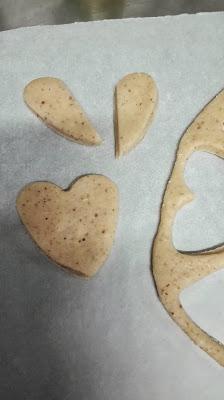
<point>50,100</point>
<point>135,102</point>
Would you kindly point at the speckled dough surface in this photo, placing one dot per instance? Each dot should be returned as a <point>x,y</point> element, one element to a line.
<point>73,227</point>
<point>50,100</point>
<point>173,271</point>
<point>135,102</point>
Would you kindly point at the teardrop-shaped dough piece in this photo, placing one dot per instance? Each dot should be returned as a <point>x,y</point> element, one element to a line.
<point>135,102</point>
<point>50,100</point>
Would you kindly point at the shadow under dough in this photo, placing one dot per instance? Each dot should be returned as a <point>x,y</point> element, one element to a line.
<point>39,358</point>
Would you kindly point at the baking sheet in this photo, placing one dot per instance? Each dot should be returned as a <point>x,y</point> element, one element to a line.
<point>66,338</point>
<point>203,302</point>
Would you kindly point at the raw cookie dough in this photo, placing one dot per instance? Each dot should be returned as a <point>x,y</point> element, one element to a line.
<point>73,227</point>
<point>51,101</point>
<point>135,102</point>
<point>172,270</point>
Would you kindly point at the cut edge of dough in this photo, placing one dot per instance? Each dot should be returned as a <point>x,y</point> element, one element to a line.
<point>116,128</point>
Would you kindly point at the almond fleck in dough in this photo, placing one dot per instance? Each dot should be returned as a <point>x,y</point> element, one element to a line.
<point>73,227</point>
<point>135,102</point>
<point>174,271</point>
<point>50,99</point>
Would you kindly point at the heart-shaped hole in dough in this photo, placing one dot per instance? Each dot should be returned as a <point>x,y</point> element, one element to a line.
<point>199,224</point>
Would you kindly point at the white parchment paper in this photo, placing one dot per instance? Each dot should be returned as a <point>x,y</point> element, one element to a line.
<point>107,338</point>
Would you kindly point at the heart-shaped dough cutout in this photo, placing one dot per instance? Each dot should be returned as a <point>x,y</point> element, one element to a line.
<point>73,227</point>
<point>135,102</point>
<point>50,100</point>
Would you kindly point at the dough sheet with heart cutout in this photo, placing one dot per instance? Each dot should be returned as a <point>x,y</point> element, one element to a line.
<point>73,227</point>
<point>173,271</point>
